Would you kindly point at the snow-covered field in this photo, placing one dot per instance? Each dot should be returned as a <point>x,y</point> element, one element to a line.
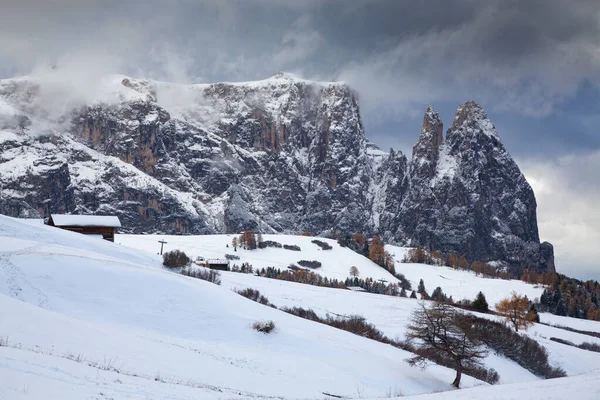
<point>460,284</point>
<point>85,318</point>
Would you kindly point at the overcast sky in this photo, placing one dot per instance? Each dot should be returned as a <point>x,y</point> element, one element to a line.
<point>533,65</point>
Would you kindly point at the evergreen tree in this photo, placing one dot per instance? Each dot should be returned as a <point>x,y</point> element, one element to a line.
<point>421,287</point>
<point>413,295</point>
<point>480,303</point>
<point>561,307</point>
<point>533,313</point>
<point>403,293</point>
<point>438,295</point>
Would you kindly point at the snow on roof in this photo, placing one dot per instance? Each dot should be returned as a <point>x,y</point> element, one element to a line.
<point>217,261</point>
<point>86,220</point>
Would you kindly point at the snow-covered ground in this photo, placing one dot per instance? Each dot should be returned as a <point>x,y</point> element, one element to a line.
<point>460,284</point>
<point>336,262</point>
<point>85,318</point>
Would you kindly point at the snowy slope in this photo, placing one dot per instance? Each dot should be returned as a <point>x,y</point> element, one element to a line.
<point>582,387</point>
<point>460,284</point>
<point>389,314</point>
<point>336,262</point>
<point>107,321</point>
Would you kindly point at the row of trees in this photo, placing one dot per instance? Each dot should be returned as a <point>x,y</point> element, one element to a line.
<point>422,256</point>
<point>566,296</point>
<point>373,248</point>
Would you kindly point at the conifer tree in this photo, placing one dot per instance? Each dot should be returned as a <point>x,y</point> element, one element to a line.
<point>421,287</point>
<point>533,314</point>
<point>480,303</point>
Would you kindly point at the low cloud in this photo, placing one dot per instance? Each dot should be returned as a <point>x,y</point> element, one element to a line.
<point>567,194</point>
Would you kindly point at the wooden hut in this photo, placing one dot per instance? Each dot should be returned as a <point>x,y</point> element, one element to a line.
<point>95,225</point>
<point>217,263</point>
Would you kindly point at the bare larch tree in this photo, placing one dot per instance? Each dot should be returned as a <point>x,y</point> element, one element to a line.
<point>440,334</point>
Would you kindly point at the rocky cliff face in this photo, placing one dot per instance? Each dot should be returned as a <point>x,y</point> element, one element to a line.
<point>467,195</point>
<point>279,155</point>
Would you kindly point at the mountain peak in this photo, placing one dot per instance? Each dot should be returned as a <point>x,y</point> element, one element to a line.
<point>286,75</point>
<point>472,121</point>
<point>431,136</point>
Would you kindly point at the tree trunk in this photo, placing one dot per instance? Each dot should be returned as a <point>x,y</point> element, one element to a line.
<point>456,382</point>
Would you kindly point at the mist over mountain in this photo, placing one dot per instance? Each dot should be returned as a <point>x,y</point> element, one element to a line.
<point>279,155</point>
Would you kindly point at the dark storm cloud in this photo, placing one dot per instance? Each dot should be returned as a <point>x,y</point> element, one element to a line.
<point>534,65</point>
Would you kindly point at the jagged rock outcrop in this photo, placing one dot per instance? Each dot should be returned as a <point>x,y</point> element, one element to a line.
<point>467,195</point>
<point>279,155</point>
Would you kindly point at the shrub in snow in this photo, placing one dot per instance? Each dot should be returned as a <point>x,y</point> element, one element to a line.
<point>590,346</point>
<point>269,243</point>
<point>321,244</point>
<point>254,295</point>
<point>232,257</point>
<point>291,247</point>
<point>310,264</point>
<point>209,275</point>
<point>175,259</point>
<point>264,326</point>
<point>353,323</point>
<point>585,345</point>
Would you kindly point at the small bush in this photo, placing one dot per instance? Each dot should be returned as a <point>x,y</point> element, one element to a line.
<point>269,243</point>
<point>590,346</point>
<point>584,346</point>
<point>310,264</point>
<point>562,341</point>
<point>321,244</point>
<point>209,275</point>
<point>353,323</point>
<point>232,257</point>
<point>175,259</point>
<point>490,376</point>
<point>264,326</point>
<point>302,313</point>
<point>292,247</point>
<point>254,295</point>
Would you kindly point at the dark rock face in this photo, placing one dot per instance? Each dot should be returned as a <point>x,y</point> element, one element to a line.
<point>468,196</point>
<point>280,155</point>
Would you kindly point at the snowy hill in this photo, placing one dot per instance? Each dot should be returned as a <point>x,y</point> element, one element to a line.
<point>114,314</point>
<point>389,314</point>
<point>85,318</point>
<point>336,263</point>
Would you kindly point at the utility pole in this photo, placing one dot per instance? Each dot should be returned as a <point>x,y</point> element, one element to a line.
<point>162,243</point>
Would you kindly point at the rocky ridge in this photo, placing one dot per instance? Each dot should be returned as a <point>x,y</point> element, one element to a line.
<point>279,155</point>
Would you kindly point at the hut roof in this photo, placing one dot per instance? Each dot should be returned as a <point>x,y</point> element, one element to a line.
<point>109,221</point>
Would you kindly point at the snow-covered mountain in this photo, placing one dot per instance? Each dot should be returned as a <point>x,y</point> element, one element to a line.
<point>281,155</point>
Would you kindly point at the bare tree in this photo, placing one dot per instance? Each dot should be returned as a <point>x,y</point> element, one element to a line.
<point>354,271</point>
<point>439,333</point>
